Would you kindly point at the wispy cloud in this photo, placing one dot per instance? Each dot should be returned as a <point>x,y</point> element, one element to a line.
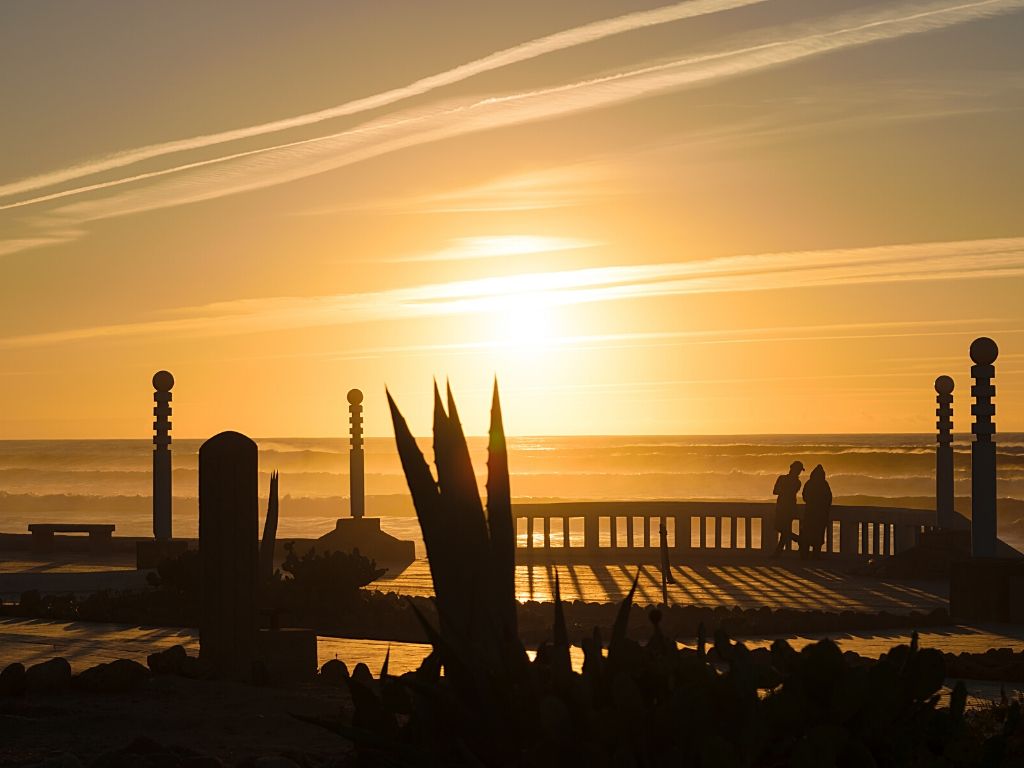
<point>509,294</point>
<point>499,246</point>
<point>265,167</point>
<point>531,49</point>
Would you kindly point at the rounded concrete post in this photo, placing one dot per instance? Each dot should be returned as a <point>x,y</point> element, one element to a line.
<point>944,492</point>
<point>984,352</point>
<point>229,553</point>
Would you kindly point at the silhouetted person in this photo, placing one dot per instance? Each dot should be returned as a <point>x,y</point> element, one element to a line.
<point>786,488</point>
<point>817,513</point>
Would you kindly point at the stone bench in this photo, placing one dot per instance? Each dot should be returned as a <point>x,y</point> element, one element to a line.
<point>42,534</point>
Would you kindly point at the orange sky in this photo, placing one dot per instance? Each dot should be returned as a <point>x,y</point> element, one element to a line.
<point>715,216</point>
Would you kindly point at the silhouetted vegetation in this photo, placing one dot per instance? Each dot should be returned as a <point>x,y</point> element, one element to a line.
<point>632,704</point>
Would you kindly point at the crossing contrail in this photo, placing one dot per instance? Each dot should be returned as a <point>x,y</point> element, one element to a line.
<point>281,163</point>
<point>587,33</point>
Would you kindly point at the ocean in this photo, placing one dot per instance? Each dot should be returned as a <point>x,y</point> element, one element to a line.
<point>109,480</point>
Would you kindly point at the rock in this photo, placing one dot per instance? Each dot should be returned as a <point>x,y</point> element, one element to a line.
<point>49,676</point>
<point>118,676</point>
<point>12,680</point>
<point>274,762</point>
<point>195,669</point>
<point>63,760</point>
<point>334,672</point>
<point>203,761</point>
<point>167,662</point>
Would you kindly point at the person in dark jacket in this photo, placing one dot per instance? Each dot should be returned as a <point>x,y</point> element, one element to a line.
<point>786,488</point>
<point>817,513</point>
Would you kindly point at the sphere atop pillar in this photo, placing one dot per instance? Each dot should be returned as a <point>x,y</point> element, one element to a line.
<point>984,351</point>
<point>163,381</point>
<point>355,397</point>
<point>944,385</point>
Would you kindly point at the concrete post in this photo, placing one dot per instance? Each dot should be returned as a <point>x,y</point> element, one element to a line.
<point>983,450</point>
<point>357,490</point>
<point>944,493</point>
<point>163,381</point>
<point>229,553</point>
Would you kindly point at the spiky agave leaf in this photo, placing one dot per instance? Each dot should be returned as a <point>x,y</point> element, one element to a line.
<point>500,521</point>
<point>622,618</point>
<point>561,664</point>
<point>460,589</point>
<point>269,541</point>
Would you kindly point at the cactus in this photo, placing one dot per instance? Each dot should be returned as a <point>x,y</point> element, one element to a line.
<point>269,540</point>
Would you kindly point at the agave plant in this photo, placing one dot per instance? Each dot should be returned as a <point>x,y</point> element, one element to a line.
<point>471,553</point>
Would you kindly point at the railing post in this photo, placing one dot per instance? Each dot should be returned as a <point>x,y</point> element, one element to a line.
<point>547,532</point>
<point>702,538</point>
<point>613,531</point>
<point>591,533</point>
<point>529,531</point>
<point>629,531</point>
<point>847,537</point>
<point>565,532</point>
<point>748,532</point>
<point>767,533</point>
<point>732,532</point>
<point>647,532</point>
<point>682,534</point>
<point>718,532</point>
<point>944,492</point>
<point>983,450</point>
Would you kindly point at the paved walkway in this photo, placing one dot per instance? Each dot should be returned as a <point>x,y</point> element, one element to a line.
<point>85,644</point>
<point>780,584</point>
<point>783,585</point>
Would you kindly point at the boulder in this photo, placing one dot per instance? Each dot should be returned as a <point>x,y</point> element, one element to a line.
<point>12,680</point>
<point>334,672</point>
<point>118,676</point>
<point>49,676</point>
<point>170,661</point>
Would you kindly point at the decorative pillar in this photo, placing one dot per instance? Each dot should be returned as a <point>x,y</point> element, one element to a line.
<point>983,450</point>
<point>357,492</point>
<point>163,381</point>
<point>944,452</point>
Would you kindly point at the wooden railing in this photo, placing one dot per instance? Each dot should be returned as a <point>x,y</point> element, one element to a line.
<point>630,531</point>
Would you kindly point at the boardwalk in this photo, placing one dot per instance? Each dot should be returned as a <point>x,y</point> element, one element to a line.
<point>749,586</point>
<point>782,584</point>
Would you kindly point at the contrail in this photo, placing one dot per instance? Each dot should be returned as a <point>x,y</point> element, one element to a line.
<point>269,166</point>
<point>531,49</point>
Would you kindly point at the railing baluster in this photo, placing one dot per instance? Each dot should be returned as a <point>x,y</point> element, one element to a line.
<point>565,532</point>
<point>733,524</point>
<point>748,531</point>
<point>875,536</point>
<point>886,539</point>
<point>703,534</point>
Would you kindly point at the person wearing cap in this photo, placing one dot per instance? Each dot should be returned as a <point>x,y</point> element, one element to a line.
<point>786,488</point>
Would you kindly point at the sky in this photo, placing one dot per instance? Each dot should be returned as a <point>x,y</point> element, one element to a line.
<point>706,217</point>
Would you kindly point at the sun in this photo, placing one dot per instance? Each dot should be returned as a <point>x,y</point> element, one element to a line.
<point>524,322</point>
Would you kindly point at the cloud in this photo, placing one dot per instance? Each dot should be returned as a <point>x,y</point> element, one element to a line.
<point>265,167</point>
<point>531,49</point>
<point>499,246</point>
<point>496,295</point>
